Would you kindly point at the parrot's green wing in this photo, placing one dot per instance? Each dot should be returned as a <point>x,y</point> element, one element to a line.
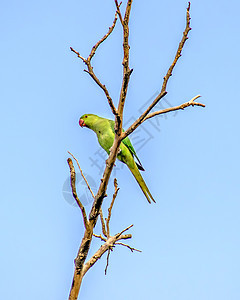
<point>129,145</point>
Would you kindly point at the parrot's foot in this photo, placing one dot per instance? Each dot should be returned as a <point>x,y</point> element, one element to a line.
<point>119,150</point>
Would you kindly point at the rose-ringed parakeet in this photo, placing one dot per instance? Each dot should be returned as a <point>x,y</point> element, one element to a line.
<point>104,128</point>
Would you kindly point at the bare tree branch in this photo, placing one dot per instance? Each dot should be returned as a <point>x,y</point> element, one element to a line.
<point>129,247</point>
<point>164,111</point>
<point>118,11</point>
<point>100,237</point>
<point>179,50</point>
<point>81,267</point>
<point>126,70</point>
<point>165,80</point>
<point>109,244</point>
<point>94,48</point>
<point>82,175</point>
<point>120,234</point>
<point>101,213</point>
<point>140,119</point>
<point>111,206</point>
<point>182,106</point>
<point>108,255</point>
<point>90,68</point>
<point>103,223</point>
<point>95,210</point>
<point>74,192</point>
<point>125,236</point>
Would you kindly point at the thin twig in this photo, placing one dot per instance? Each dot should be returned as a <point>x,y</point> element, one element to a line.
<point>78,55</point>
<point>108,255</point>
<point>126,70</point>
<point>125,230</point>
<point>90,68</point>
<point>124,237</point>
<point>108,245</point>
<point>141,118</point>
<point>118,11</point>
<point>111,206</point>
<point>99,236</point>
<point>94,48</point>
<point>74,192</point>
<point>129,247</point>
<point>103,223</point>
<point>182,106</point>
<point>179,50</point>
<point>82,175</point>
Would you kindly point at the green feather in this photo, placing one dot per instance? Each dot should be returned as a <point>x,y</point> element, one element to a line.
<point>129,145</point>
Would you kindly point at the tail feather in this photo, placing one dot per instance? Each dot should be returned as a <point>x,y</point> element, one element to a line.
<point>142,183</point>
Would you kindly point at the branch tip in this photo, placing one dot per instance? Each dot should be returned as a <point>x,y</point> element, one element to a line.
<point>89,188</point>
<point>74,192</point>
<point>129,247</point>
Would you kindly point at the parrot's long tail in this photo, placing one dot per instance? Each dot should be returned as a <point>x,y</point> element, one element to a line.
<point>142,183</point>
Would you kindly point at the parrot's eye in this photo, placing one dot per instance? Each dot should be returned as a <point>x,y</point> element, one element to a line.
<point>85,116</point>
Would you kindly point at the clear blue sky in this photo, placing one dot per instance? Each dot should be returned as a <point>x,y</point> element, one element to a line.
<point>190,238</point>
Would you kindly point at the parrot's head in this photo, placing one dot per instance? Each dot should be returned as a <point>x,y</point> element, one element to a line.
<point>87,120</point>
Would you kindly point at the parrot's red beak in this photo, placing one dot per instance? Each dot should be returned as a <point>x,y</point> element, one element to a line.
<point>81,123</point>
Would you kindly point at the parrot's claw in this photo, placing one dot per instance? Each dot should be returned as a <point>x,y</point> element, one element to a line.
<point>119,150</point>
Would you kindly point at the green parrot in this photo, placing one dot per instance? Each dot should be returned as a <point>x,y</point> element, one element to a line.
<point>104,128</point>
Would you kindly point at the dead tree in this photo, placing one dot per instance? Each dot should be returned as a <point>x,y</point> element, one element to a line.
<point>110,241</point>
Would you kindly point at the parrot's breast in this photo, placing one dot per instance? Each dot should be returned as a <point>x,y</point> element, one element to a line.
<point>105,140</point>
